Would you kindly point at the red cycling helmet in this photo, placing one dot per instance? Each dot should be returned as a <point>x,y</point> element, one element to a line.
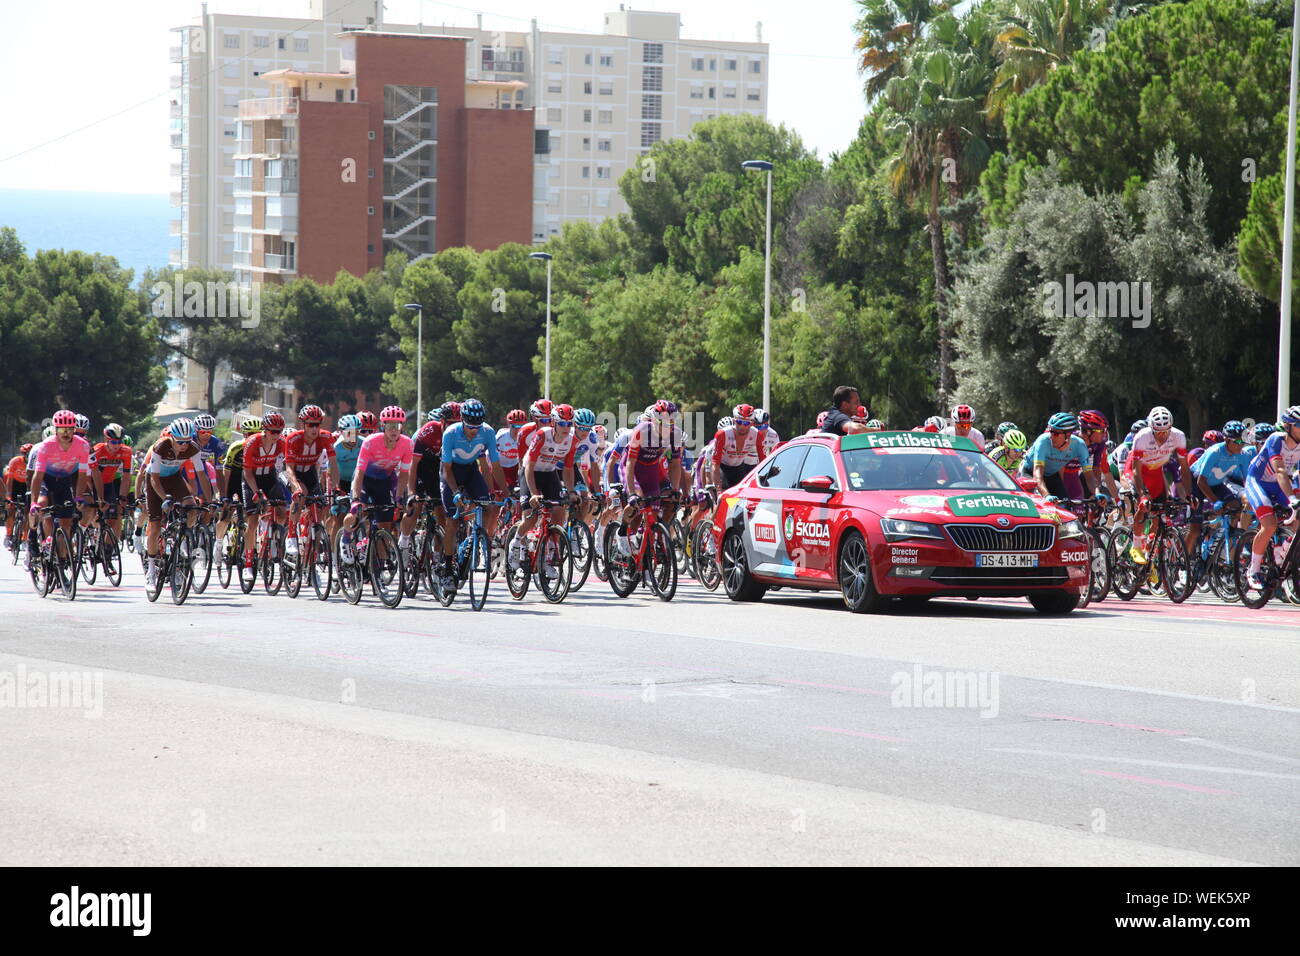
<point>272,421</point>
<point>542,408</point>
<point>311,415</point>
<point>517,416</point>
<point>65,419</point>
<point>861,414</point>
<point>821,418</point>
<point>1090,418</point>
<point>564,413</point>
<point>368,421</point>
<point>392,413</point>
<point>25,448</point>
<point>743,411</point>
<point>450,413</point>
<point>1212,437</point>
<point>963,414</point>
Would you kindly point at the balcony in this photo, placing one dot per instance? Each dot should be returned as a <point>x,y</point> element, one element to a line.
<point>502,66</point>
<point>176,169</point>
<point>274,147</point>
<point>281,224</point>
<point>242,258</point>
<point>176,54</point>
<point>269,106</point>
<point>243,184</point>
<point>174,257</point>
<point>281,185</point>
<point>278,263</point>
<point>244,220</point>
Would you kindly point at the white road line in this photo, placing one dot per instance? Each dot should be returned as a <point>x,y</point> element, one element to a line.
<point>1202,768</point>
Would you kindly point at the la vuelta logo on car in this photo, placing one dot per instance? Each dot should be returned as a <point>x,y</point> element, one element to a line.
<point>765,532</point>
<point>818,531</point>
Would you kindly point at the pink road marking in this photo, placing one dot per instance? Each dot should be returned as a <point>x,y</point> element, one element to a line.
<point>858,733</point>
<point>525,647</point>
<point>1161,783</point>
<point>342,657</point>
<point>457,672</point>
<point>1111,723</point>
<point>1186,612</point>
<point>606,696</point>
<point>393,630</point>
<point>854,690</point>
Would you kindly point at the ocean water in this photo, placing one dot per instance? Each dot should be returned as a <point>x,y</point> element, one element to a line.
<point>128,226</point>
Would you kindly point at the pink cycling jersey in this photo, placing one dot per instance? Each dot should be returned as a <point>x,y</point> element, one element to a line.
<point>377,460</point>
<point>58,462</point>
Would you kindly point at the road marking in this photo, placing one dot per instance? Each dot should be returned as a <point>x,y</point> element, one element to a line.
<point>1108,723</point>
<point>526,647</point>
<point>1202,742</point>
<point>1203,768</point>
<point>808,683</point>
<point>1162,783</point>
<point>859,733</point>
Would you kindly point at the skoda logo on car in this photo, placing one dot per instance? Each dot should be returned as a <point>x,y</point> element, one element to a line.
<point>1003,521</point>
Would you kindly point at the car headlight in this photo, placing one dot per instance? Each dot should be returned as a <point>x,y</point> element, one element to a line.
<point>1071,529</point>
<point>898,529</point>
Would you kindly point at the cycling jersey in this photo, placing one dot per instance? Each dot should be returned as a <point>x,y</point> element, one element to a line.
<point>1002,458</point>
<point>347,459</point>
<point>731,449</point>
<point>109,459</point>
<point>234,457</point>
<point>1263,470</point>
<point>62,463</point>
<point>377,460</point>
<point>191,473</point>
<point>586,450</point>
<point>16,470</point>
<point>974,434</point>
<point>703,469</point>
<point>460,449</point>
<point>1053,459</point>
<point>1218,465</point>
<point>302,455</point>
<point>655,443</point>
<point>508,447</point>
<point>259,459</point>
<point>1194,456</point>
<point>769,440</point>
<point>213,450</point>
<point>1151,454</point>
<point>550,448</point>
<point>31,455</point>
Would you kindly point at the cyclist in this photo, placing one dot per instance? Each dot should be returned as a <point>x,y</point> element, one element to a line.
<point>963,425</point>
<point>540,414</point>
<point>1211,437</point>
<point>15,485</point>
<point>1011,452</point>
<point>1094,428</point>
<point>382,477</point>
<point>263,460</point>
<point>233,470</point>
<point>211,448</point>
<point>369,424</point>
<point>426,453</point>
<point>508,445</point>
<point>550,448</point>
<point>166,459</point>
<point>112,457</point>
<point>1221,473</point>
<point>587,456</point>
<point>1153,447</point>
<point>649,443</point>
<point>1268,483</point>
<point>766,441</point>
<point>346,450</point>
<point>310,457</point>
<point>1050,452</point>
<point>467,450</point>
<point>59,462</point>
<point>734,447</point>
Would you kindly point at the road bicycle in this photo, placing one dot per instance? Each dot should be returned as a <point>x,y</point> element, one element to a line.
<point>651,559</point>
<point>1167,564</point>
<point>1280,566</point>
<point>228,553</point>
<point>176,544</point>
<point>582,545</point>
<point>704,544</point>
<point>376,558</point>
<point>52,561</point>
<point>18,542</point>
<point>1089,511</point>
<point>98,546</point>
<point>472,564</point>
<point>314,558</point>
<point>1213,554</point>
<point>545,557</point>
<point>268,540</point>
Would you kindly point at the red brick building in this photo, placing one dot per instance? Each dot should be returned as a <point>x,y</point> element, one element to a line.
<point>395,152</point>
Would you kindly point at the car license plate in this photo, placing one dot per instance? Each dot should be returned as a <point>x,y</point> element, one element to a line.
<point>1006,560</point>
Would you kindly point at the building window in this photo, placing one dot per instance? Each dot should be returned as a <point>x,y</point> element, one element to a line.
<point>370,247</point>
<point>370,210</point>
<point>728,94</point>
<point>230,71</point>
<point>607,60</point>
<point>752,95</point>
<point>697,92</point>
<point>584,200</point>
<point>602,172</point>
<point>370,173</point>
<point>604,145</point>
<point>300,45</point>
<point>279,43</point>
<point>652,52</point>
<point>586,59</point>
<point>554,86</point>
<point>652,77</point>
<point>541,142</point>
<point>243,167</point>
<point>713,92</point>
<point>652,107</point>
<point>755,66</point>
<point>586,172</point>
<point>586,116</point>
<point>729,65</point>
<point>261,43</point>
<point>231,41</point>
<point>602,197</point>
<point>650,134</point>
<point>607,89</point>
<point>586,87</point>
<point>586,143</point>
<point>605,116</point>
<point>697,63</point>
<point>230,100</point>
<point>554,56</point>
<point>554,115</point>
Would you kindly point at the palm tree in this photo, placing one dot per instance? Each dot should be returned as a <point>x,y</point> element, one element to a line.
<point>1042,35</point>
<point>887,30</point>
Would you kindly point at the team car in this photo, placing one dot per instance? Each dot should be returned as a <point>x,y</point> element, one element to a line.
<point>890,516</point>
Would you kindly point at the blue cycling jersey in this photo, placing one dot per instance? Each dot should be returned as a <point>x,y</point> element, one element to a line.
<point>1218,465</point>
<point>347,460</point>
<point>1261,466</point>
<point>1054,459</point>
<point>213,450</point>
<point>458,449</point>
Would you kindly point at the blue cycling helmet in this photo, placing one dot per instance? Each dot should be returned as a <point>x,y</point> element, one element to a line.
<point>1291,416</point>
<point>584,418</point>
<point>1233,430</point>
<point>1063,422</point>
<point>349,421</point>
<point>182,429</point>
<point>472,411</point>
<point>1263,430</point>
<point>1137,426</point>
<point>435,414</point>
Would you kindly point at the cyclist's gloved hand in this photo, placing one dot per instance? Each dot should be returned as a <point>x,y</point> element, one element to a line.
<point>1144,502</point>
<point>457,499</point>
<point>1218,506</point>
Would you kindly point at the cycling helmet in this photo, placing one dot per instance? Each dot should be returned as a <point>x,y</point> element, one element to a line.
<point>1091,418</point>
<point>113,431</point>
<point>763,418</point>
<point>49,432</point>
<point>601,433</point>
<point>963,415</point>
<point>1233,430</point>
<point>250,425</point>
<point>83,423</point>
<point>541,408</point>
<point>472,411</point>
<point>273,421</point>
<point>1137,426</point>
<point>564,413</point>
<point>1160,418</point>
<point>1262,431</point>
<point>368,421</point>
<point>25,448</point>
<point>726,421</point>
<point>391,414</point>
<point>584,418</point>
<point>182,429</point>
<point>1062,422</point>
<point>348,422</point>
<point>934,423</point>
<point>1212,437</point>
<point>311,415</point>
<point>1291,416</point>
<point>821,419</point>
<point>861,414</point>
<point>450,413</point>
<point>740,411</point>
<point>1003,428</point>
<point>1015,439</point>
<point>665,409</point>
<point>64,419</point>
<point>516,416</point>
<point>435,415</point>
<point>875,425</point>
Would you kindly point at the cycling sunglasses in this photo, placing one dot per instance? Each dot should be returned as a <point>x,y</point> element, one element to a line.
<point>115,441</point>
<point>563,424</point>
<point>273,431</point>
<point>544,421</point>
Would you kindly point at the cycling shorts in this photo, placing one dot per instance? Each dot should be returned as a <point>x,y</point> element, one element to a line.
<point>469,480</point>
<point>1263,495</point>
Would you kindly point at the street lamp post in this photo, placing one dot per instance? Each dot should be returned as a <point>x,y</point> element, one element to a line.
<point>546,385</point>
<point>764,165</point>
<point>419,361</point>
<point>1288,231</point>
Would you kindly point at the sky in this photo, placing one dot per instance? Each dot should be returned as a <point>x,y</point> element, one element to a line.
<point>85,105</point>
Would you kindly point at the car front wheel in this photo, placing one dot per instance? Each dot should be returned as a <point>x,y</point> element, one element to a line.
<point>739,583</point>
<point>1054,602</point>
<point>856,583</point>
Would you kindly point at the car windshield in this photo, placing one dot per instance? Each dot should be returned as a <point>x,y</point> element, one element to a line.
<point>923,469</point>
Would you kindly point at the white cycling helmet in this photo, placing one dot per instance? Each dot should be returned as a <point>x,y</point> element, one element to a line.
<point>726,421</point>
<point>1160,419</point>
<point>205,422</point>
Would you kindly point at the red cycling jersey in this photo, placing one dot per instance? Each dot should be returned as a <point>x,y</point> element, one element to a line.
<point>258,459</point>
<point>16,470</point>
<point>109,459</point>
<point>302,455</point>
<point>550,448</point>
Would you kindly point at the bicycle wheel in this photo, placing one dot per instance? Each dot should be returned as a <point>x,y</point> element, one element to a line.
<point>350,582</point>
<point>661,561</point>
<point>624,575</point>
<point>554,565</point>
<point>598,566</point>
<point>41,571</point>
<point>704,556</point>
<point>201,560</point>
<point>1223,578</point>
<point>1126,575</point>
<point>319,562</point>
<point>86,546</point>
<point>677,535</point>
<point>1253,599</point>
<point>387,577</point>
<point>581,550</point>
<point>64,555</point>
<point>110,550</point>
<point>269,562</point>
<point>1176,568</point>
<point>519,575</point>
<point>480,568</point>
<point>432,550</point>
<point>231,550</point>
<point>247,575</point>
<point>181,566</point>
<point>292,570</point>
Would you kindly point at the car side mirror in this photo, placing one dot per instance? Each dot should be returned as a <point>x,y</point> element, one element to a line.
<point>823,484</point>
<point>1027,484</point>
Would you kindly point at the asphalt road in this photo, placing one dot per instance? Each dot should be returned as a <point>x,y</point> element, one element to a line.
<point>257,730</point>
